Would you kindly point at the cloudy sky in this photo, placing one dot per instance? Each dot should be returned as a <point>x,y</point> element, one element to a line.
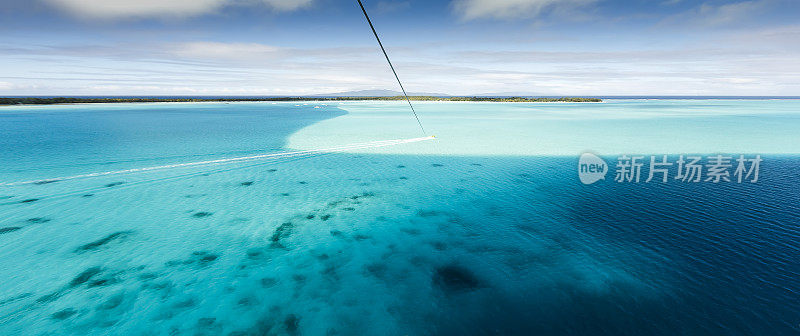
<point>296,47</point>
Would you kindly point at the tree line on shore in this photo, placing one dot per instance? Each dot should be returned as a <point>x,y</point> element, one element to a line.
<point>86,100</point>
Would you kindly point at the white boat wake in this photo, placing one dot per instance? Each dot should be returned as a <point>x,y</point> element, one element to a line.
<point>271,156</point>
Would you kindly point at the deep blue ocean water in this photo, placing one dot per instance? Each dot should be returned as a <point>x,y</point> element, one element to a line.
<point>486,230</point>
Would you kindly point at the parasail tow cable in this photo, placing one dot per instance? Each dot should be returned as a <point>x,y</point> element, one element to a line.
<point>391,66</point>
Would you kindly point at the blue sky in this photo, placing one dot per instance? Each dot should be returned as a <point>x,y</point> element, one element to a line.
<point>295,47</point>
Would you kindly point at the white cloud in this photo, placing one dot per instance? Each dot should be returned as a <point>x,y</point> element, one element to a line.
<point>225,51</point>
<point>709,15</point>
<point>507,9</point>
<point>139,8</point>
<point>113,9</point>
<point>729,13</point>
<point>737,62</point>
<point>288,5</point>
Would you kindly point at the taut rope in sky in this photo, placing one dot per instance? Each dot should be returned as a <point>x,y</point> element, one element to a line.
<point>391,66</point>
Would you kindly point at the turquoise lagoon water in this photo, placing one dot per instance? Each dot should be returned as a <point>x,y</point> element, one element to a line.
<point>485,230</point>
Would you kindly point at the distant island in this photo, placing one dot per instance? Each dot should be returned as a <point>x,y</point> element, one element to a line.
<point>84,100</point>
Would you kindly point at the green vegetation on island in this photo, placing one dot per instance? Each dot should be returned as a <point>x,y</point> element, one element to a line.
<point>82,100</point>
<point>481,99</point>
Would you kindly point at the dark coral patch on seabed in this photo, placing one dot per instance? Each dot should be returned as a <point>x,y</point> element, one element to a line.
<point>292,323</point>
<point>9,229</point>
<point>454,278</point>
<point>103,241</point>
<point>64,314</point>
<point>283,231</point>
<point>85,276</point>
<point>199,259</point>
